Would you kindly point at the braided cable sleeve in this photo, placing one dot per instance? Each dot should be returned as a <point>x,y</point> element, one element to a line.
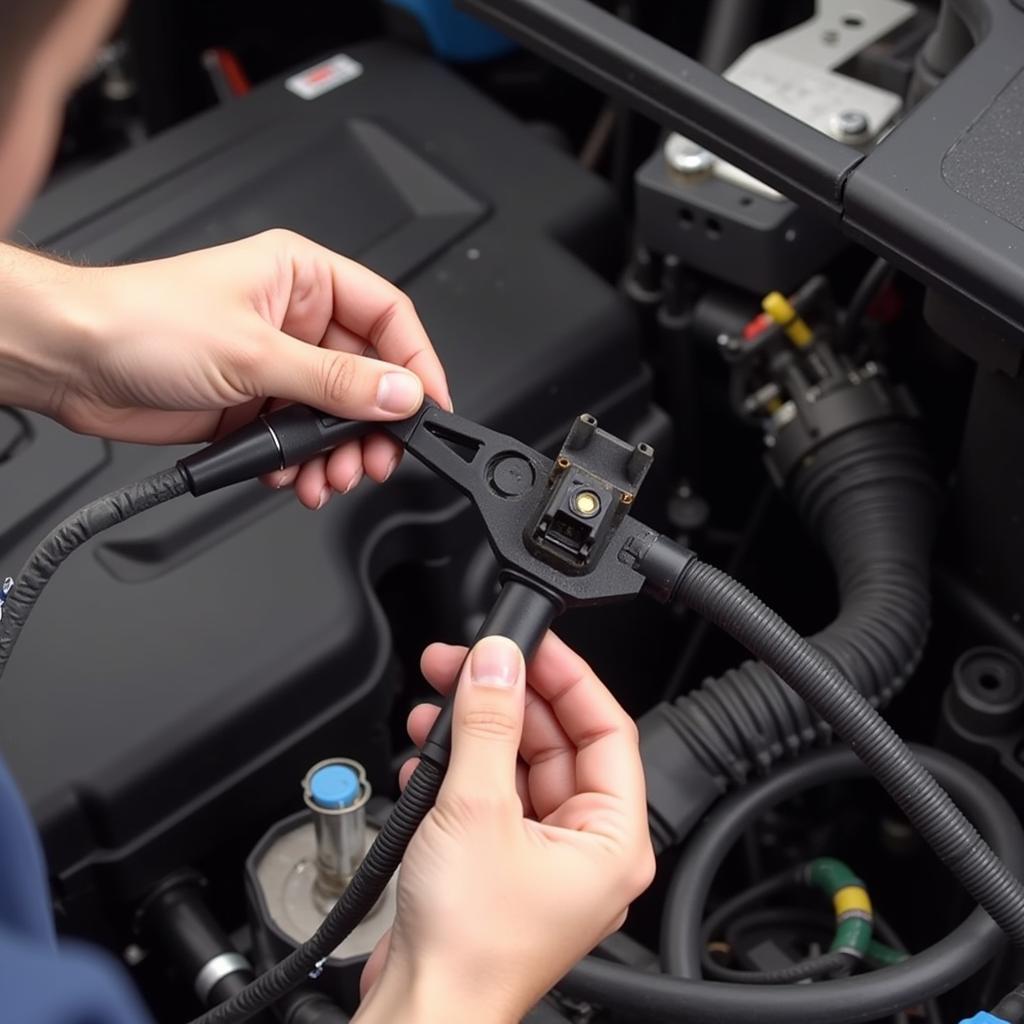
<point>69,535</point>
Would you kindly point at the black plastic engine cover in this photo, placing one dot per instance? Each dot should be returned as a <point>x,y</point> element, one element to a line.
<point>182,672</point>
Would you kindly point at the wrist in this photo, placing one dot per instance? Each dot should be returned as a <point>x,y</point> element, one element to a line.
<point>47,326</point>
<point>426,994</point>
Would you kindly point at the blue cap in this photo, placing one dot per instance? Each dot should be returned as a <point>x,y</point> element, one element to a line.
<point>334,786</point>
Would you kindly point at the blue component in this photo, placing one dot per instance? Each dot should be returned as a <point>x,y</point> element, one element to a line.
<point>453,35</point>
<point>983,1017</point>
<point>334,786</point>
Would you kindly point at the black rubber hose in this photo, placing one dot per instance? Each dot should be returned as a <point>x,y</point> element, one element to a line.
<point>868,496</point>
<point>815,678</point>
<point>1011,1007</point>
<point>970,946</point>
<point>71,534</point>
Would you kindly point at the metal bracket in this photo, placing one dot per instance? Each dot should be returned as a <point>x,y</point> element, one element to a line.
<point>796,71</point>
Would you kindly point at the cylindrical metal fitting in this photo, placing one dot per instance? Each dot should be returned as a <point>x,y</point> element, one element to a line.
<point>336,791</point>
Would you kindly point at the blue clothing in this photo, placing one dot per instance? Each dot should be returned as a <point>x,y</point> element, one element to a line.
<point>41,981</point>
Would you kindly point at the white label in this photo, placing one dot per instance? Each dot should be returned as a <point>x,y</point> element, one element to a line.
<point>324,77</point>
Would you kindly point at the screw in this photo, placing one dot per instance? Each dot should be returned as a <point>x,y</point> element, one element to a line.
<point>686,157</point>
<point>850,125</point>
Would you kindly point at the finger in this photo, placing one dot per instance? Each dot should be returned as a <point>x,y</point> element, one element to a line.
<point>605,737</point>
<point>376,310</point>
<point>487,723</point>
<point>550,754</point>
<point>340,383</point>
<point>544,745</point>
<point>405,772</point>
<point>440,665</point>
<point>381,455</point>
<point>282,478</point>
<point>373,966</point>
<point>420,721</point>
<point>361,302</point>
<point>345,467</point>
<point>418,725</point>
<point>341,339</point>
<point>311,485</point>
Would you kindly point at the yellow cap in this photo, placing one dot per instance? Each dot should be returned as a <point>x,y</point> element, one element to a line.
<point>781,310</point>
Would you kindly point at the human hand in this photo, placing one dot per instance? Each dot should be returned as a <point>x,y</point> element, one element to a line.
<point>537,844</point>
<point>190,348</point>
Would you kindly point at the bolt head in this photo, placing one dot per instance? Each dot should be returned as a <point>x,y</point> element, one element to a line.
<point>687,157</point>
<point>850,125</point>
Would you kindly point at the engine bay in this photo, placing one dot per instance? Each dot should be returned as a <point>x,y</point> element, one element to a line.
<point>790,268</point>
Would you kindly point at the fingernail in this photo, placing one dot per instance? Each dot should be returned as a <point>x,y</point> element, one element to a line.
<point>390,469</point>
<point>355,480</point>
<point>399,393</point>
<point>325,496</point>
<point>495,662</point>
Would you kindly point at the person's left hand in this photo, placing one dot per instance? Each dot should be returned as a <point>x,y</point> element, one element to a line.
<point>189,348</point>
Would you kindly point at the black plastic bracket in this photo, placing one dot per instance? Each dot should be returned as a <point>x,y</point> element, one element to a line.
<point>560,524</point>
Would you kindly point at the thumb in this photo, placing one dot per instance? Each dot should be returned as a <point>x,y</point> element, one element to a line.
<point>340,383</point>
<point>488,722</point>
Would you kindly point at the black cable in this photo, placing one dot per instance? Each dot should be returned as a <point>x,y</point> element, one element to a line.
<point>714,922</point>
<point>775,918</point>
<point>640,995</point>
<point>730,919</point>
<point>815,678</point>
<point>878,276</point>
<point>812,967</point>
<point>72,533</point>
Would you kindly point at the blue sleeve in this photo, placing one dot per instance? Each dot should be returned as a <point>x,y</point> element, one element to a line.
<point>42,982</point>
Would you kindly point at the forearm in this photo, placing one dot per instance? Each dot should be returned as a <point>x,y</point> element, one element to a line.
<point>45,326</point>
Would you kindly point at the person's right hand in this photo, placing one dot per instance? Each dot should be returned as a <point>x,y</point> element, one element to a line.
<point>537,844</point>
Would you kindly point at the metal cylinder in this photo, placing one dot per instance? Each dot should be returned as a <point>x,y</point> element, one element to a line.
<point>336,791</point>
